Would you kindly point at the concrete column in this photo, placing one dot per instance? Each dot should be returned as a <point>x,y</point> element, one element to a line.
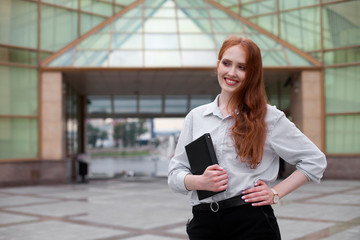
<point>51,116</point>
<point>306,105</point>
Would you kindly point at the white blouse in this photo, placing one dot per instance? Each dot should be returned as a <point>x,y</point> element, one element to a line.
<point>283,139</point>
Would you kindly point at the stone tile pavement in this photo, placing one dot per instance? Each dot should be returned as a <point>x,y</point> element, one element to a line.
<point>145,209</point>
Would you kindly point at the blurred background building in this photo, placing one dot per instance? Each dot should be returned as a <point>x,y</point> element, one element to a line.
<point>64,62</point>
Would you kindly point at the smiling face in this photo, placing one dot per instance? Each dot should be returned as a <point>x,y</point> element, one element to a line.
<point>231,69</point>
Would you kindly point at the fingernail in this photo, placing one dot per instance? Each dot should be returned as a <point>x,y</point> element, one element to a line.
<point>243,197</point>
<point>246,200</point>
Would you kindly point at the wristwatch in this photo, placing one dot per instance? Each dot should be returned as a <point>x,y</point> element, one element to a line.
<point>275,196</point>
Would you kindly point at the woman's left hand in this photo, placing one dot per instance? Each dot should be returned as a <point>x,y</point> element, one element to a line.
<point>258,195</point>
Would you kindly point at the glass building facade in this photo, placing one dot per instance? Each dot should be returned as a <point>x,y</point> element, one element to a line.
<point>109,36</point>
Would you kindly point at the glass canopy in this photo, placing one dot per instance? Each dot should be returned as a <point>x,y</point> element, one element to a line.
<point>169,33</point>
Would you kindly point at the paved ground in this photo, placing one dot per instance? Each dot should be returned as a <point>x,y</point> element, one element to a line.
<point>145,209</point>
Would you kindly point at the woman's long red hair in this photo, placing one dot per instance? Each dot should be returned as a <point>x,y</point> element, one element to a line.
<point>248,104</point>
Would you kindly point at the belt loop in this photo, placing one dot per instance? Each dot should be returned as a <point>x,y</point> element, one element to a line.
<point>217,207</point>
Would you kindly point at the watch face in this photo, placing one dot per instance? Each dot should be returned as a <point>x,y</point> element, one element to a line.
<point>276,199</point>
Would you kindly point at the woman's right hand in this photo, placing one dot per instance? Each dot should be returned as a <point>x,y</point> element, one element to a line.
<point>214,179</point>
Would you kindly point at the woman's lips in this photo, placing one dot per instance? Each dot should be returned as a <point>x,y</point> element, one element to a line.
<point>230,82</point>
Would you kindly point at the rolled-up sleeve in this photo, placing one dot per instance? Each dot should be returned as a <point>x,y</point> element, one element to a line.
<point>179,165</point>
<point>295,148</point>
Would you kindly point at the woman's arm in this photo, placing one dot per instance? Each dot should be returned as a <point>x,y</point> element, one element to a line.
<point>261,194</point>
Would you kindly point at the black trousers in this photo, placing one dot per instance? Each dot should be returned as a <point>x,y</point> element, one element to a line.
<point>244,222</point>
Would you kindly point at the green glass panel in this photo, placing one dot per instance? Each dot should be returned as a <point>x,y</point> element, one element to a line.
<point>342,88</point>
<point>44,55</point>
<point>134,12</point>
<point>18,138</point>
<point>162,59</point>
<point>125,104</point>
<point>18,91</point>
<point>125,2</point>
<point>227,3</point>
<point>91,58</point>
<point>127,41</point>
<point>342,56</point>
<point>161,41</point>
<point>296,60</point>
<point>299,31</point>
<point>176,104</point>
<point>89,21</point>
<point>258,8</point>
<point>316,55</point>
<point>99,104</point>
<point>227,26</point>
<point>196,41</point>
<point>341,24</point>
<point>102,8</point>
<point>126,59</point>
<point>58,27</point>
<point>150,104</point>
<point>65,59</point>
<point>18,23</point>
<point>13,55</point>
<point>273,58</point>
<point>236,9</point>
<point>192,13</point>
<point>190,3</point>
<point>118,8</point>
<point>63,3</point>
<point>127,25</point>
<point>100,41</point>
<point>268,22</point>
<point>154,3</point>
<point>286,4</point>
<point>343,134</point>
<point>217,13</point>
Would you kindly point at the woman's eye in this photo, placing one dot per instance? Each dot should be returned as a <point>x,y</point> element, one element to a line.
<point>242,67</point>
<point>225,63</point>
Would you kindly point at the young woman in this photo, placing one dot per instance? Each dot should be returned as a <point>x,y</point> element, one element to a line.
<point>248,136</point>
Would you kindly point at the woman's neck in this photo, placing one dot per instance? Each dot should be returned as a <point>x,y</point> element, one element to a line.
<point>223,104</point>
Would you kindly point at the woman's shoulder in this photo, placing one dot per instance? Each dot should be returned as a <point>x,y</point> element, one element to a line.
<point>273,114</point>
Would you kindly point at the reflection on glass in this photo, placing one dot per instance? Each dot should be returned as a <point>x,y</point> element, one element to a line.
<point>199,58</point>
<point>91,58</point>
<point>161,41</point>
<point>176,104</point>
<point>126,59</point>
<point>127,41</point>
<point>125,104</point>
<point>64,60</point>
<point>95,41</point>
<point>99,104</point>
<point>162,59</point>
<point>127,25</point>
<point>194,25</point>
<point>150,104</point>
<point>160,26</point>
<point>198,100</point>
<point>196,41</point>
